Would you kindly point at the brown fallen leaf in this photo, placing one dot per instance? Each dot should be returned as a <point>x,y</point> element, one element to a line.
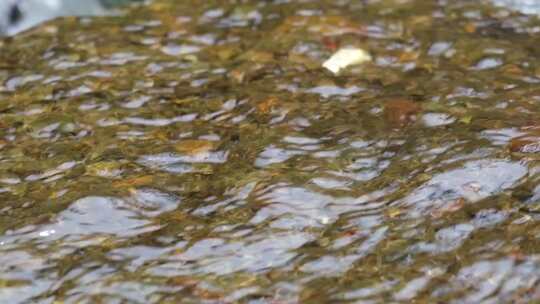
<point>408,56</point>
<point>330,43</point>
<point>525,145</point>
<point>528,142</point>
<point>401,112</point>
<point>350,232</point>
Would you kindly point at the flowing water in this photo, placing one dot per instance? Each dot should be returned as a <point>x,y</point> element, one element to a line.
<point>197,152</point>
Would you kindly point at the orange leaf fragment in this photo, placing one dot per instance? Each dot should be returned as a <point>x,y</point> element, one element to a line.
<point>266,105</point>
<point>194,146</point>
<point>470,28</point>
<point>134,182</point>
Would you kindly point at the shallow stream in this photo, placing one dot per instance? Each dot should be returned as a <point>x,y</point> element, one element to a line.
<point>197,152</point>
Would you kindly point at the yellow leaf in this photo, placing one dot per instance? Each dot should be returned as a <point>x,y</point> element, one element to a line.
<point>393,212</point>
<point>466,119</point>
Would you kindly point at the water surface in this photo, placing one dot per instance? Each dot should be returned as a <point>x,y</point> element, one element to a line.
<point>185,153</point>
